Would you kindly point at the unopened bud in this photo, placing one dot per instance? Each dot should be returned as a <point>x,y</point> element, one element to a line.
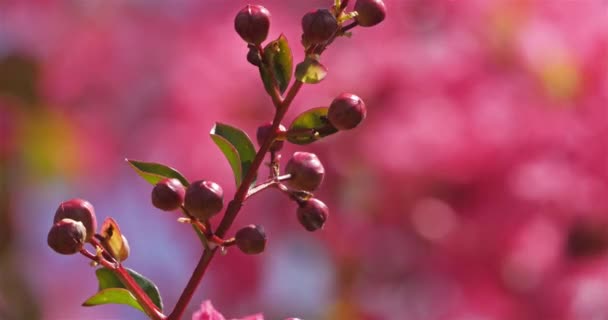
<point>251,239</point>
<point>312,214</point>
<point>252,24</point>
<point>67,236</point>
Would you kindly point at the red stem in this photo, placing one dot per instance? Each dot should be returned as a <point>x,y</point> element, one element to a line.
<point>237,202</point>
<point>146,303</point>
<point>125,278</point>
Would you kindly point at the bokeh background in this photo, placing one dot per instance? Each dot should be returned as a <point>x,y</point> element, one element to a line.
<point>476,189</point>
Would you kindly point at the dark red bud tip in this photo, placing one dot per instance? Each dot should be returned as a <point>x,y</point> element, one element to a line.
<point>318,26</point>
<point>168,194</point>
<point>306,171</point>
<point>264,131</point>
<point>204,199</point>
<point>78,210</point>
<point>346,111</point>
<point>371,12</point>
<point>252,24</point>
<point>251,239</point>
<point>67,236</point>
<point>312,214</point>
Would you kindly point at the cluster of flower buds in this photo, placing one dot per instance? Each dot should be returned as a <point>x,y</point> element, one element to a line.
<point>319,27</point>
<point>74,224</point>
<point>202,199</point>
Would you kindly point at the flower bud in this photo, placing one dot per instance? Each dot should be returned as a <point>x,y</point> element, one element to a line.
<point>251,239</point>
<point>78,210</point>
<point>252,24</point>
<point>168,194</point>
<point>67,236</point>
<point>306,171</point>
<point>204,199</point>
<point>312,214</point>
<point>318,26</point>
<point>263,133</point>
<point>346,111</point>
<point>370,12</point>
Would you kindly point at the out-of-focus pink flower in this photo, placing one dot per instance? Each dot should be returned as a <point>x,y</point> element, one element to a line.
<point>208,312</point>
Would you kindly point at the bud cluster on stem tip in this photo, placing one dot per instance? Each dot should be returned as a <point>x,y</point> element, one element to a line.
<point>370,12</point>
<point>264,131</point>
<point>346,111</point>
<point>78,210</point>
<point>252,24</point>
<point>251,239</point>
<point>319,26</point>
<point>306,171</point>
<point>312,214</point>
<point>204,199</point>
<point>168,194</point>
<point>67,236</point>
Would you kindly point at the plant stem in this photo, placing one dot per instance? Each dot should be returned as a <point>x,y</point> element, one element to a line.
<point>237,202</point>
<point>267,184</point>
<point>146,303</point>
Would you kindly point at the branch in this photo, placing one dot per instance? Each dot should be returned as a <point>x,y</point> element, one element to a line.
<point>237,202</point>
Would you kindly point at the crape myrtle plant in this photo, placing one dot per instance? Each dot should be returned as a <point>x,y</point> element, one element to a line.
<point>202,201</point>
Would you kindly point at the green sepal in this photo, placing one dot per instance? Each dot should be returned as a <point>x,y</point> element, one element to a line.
<point>310,71</point>
<point>278,62</point>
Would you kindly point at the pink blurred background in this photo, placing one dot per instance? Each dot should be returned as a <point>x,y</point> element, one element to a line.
<point>476,189</point>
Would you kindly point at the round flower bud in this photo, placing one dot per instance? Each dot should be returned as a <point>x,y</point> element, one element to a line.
<point>319,26</point>
<point>251,239</point>
<point>306,171</point>
<point>263,133</point>
<point>252,23</point>
<point>168,194</point>
<point>67,236</point>
<point>312,214</point>
<point>371,12</point>
<point>204,199</point>
<point>346,111</point>
<point>78,210</point>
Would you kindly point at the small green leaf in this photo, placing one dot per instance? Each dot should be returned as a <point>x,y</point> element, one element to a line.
<point>236,146</point>
<point>278,62</point>
<point>113,295</point>
<point>310,126</point>
<point>154,172</point>
<point>310,71</point>
<point>107,279</point>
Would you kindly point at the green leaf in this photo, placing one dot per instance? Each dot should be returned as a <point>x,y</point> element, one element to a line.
<point>236,146</point>
<point>310,71</point>
<point>310,126</point>
<point>278,62</point>
<point>108,279</point>
<point>154,172</point>
<point>113,295</point>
